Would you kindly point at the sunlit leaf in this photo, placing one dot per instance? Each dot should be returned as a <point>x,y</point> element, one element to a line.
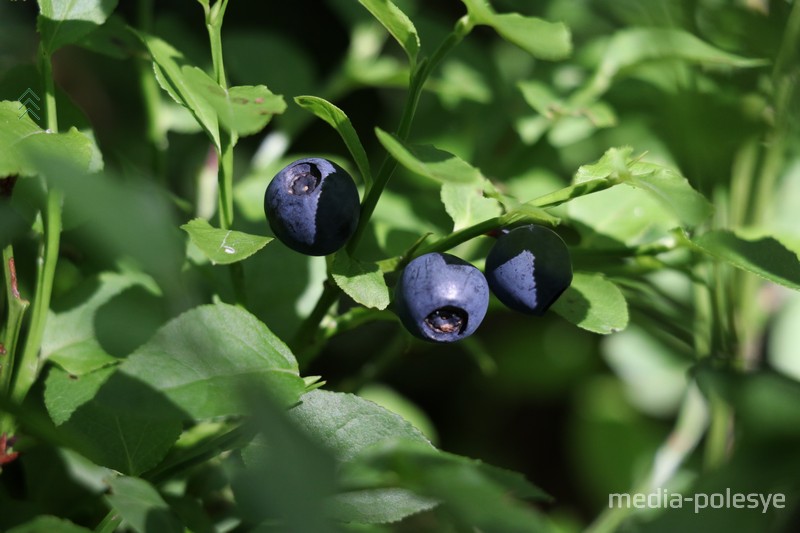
<point>363,282</point>
<point>223,246</point>
<point>429,161</point>
<point>593,303</point>
<point>763,256</point>
<point>337,119</point>
<point>64,22</point>
<point>396,23</point>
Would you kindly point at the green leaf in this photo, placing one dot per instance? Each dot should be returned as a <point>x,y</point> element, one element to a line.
<point>171,70</point>
<point>23,143</point>
<point>202,360</point>
<point>540,38</point>
<point>70,338</point>
<point>377,506</point>
<point>631,47</point>
<point>478,495</point>
<point>244,110</point>
<point>397,24</point>
<point>672,190</point>
<point>763,256</point>
<point>140,505</point>
<point>663,183</point>
<point>429,161</point>
<point>346,426</point>
<point>337,119</point>
<point>467,205</point>
<point>63,22</point>
<point>363,282</point>
<point>126,425</point>
<point>50,524</point>
<point>594,304</point>
<point>221,246</point>
<point>64,392</point>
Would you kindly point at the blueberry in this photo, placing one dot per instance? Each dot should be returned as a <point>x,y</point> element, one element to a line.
<point>312,206</point>
<point>441,298</point>
<point>528,268</point>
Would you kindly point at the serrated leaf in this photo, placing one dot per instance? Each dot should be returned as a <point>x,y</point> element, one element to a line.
<point>63,22</point>
<point>223,246</point>
<point>244,110</point>
<point>23,144</point>
<point>50,524</point>
<point>397,24</point>
<point>170,67</point>
<point>346,426</point>
<point>429,161</point>
<point>613,164</point>
<point>540,38</point>
<point>202,360</point>
<point>337,119</point>
<point>140,505</point>
<point>467,205</point>
<point>763,256</point>
<point>593,303</point>
<point>363,282</point>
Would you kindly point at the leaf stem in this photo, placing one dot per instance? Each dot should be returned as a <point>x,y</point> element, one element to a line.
<point>307,332</point>
<point>28,365</point>
<point>109,524</point>
<point>9,337</point>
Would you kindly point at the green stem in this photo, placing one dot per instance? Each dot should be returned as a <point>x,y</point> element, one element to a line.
<point>49,89</point>
<point>718,437</point>
<point>109,523</point>
<point>28,366</point>
<point>151,97</point>
<point>9,337</point>
<point>418,77</point>
<point>308,330</point>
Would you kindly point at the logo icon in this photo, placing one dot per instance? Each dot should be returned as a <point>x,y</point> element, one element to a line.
<point>29,104</point>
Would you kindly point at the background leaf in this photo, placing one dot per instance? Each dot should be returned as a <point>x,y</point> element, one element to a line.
<point>64,22</point>
<point>594,304</point>
<point>540,38</point>
<point>51,524</point>
<point>762,256</point>
<point>223,246</point>
<point>141,507</point>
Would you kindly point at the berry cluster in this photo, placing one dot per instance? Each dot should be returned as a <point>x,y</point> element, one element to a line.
<point>312,207</point>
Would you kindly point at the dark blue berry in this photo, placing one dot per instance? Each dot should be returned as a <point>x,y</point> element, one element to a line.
<point>312,206</point>
<point>441,298</point>
<point>528,268</point>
